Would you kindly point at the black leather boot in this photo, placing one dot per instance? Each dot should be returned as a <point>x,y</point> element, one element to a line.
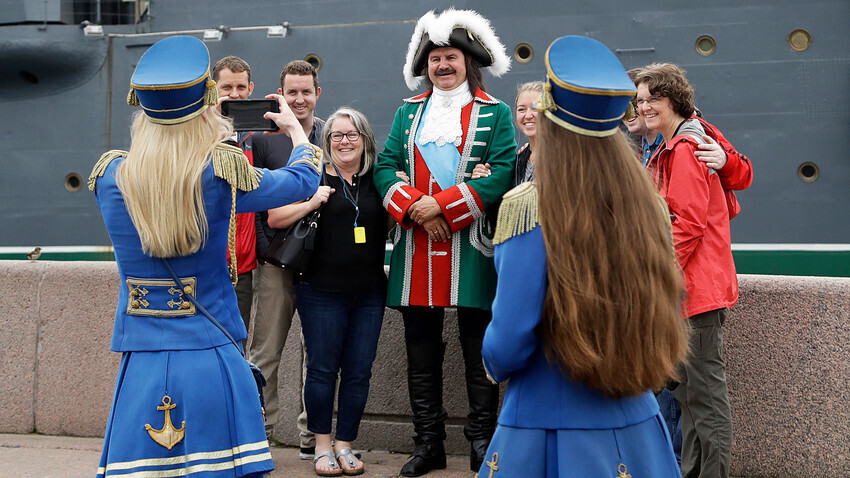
<point>483,402</point>
<point>425,387</point>
<point>428,455</point>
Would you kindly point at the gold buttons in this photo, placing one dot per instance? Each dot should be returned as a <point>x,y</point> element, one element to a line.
<point>135,292</point>
<point>134,304</point>
<point>188,290</point>
<point>185,305</point>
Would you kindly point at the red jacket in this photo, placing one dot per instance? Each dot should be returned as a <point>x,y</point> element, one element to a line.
<point>700,221</point>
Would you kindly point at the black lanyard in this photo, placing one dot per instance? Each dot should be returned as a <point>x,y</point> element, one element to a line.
<point>345,192</point>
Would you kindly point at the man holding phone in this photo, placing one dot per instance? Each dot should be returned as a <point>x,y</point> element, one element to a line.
<point>232,76</point>
<point>275,289</point>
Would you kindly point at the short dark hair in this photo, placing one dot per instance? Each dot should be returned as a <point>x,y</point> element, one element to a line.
<point>300,67</point>
<point>669,81</point>
<point>232,63</point>
<point>474,77</point>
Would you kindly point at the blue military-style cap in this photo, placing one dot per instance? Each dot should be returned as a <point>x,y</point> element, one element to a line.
<point>587,89</point>
<point>172,80</point>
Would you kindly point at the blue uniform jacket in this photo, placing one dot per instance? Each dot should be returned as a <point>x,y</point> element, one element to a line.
<point>151,314</point>
<point>538,395</point>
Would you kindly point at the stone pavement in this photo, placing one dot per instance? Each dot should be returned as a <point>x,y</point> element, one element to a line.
<point>42,456</point>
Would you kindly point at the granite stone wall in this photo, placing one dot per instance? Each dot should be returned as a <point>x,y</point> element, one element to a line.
<point>787,347</point>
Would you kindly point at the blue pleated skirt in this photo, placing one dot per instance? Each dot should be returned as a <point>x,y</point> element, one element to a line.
<point>210,398</point>
<point>640,450</point>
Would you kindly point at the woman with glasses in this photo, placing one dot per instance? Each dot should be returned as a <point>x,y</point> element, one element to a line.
<point>341,297</point>
<point>700,225</point>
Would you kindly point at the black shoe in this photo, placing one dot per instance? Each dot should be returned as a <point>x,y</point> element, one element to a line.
<point>307,452</point>
<point>427,456</point>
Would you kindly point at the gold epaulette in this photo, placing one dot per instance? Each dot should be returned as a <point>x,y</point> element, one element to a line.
<point>101,165</point>
<point>231,164</point>
<point>313,158</point>
<point>518,213</point>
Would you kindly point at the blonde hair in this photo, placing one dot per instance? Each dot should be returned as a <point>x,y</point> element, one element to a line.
<point>611,317</point>
<point>160,181</point>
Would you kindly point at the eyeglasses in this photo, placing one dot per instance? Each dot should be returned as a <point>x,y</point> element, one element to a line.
<point>352,136</point>
<point>651,100</point>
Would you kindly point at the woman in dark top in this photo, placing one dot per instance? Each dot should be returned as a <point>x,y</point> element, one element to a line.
<point>341,297</point>
<point>526,121</point>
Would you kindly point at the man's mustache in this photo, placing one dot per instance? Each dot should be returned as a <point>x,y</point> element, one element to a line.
<point>445,71</point>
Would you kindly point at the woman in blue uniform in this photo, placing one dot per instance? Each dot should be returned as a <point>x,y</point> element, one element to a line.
<point>185,401</point>
<point>585,320</point>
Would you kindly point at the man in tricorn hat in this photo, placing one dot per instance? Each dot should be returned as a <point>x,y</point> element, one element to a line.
<point>443,253</point>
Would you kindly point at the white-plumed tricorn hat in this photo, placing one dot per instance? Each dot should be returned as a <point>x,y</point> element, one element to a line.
<point>465,30</point>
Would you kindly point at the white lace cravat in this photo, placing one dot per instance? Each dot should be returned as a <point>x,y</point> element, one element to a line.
<point>441,124</point>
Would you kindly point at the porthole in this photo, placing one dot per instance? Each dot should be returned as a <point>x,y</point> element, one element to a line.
<point>800,40</point>
<point>28,77</point>
<point>73,182</point>
<point>808,171</point>
<point>314,60</point>
<point>706,45</point>
<point>523,53</point>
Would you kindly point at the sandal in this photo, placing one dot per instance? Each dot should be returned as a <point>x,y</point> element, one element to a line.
<point>346,454</point>
<point>332,464</point>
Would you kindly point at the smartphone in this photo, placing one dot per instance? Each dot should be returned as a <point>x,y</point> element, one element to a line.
<point>247,115</point>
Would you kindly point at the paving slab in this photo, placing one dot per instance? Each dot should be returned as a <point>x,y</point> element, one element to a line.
<point>44,456</point>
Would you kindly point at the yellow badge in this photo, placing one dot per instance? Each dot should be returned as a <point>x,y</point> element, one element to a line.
<point>360,235</point>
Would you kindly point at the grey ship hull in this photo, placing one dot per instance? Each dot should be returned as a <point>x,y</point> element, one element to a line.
<point>63,93</point>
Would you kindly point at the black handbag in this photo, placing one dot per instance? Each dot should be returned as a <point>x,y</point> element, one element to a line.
<point>292,248</point>
<point>259,378</point>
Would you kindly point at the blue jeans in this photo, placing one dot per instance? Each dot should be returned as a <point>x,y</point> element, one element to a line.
<point>341,333</point>
<point>672,413</point>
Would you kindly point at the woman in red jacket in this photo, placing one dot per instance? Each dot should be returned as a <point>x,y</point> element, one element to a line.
<point>700,222</point>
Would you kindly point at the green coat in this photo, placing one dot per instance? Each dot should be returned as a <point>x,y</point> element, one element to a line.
<point>461,272</point>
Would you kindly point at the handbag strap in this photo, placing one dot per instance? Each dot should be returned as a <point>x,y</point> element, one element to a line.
<point>204,311</point>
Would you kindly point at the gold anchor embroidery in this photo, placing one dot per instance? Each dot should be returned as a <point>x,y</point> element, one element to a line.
<point>168,436</point>
<point>492,465</point>
<point>621,469</point>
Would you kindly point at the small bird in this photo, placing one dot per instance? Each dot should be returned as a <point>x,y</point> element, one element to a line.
<point>34,254</point>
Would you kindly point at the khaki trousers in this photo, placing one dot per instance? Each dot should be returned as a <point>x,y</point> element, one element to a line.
<point>702,393</point>
<point>275,306</point>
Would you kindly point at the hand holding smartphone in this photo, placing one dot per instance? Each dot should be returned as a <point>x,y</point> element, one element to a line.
<point>247,115</point>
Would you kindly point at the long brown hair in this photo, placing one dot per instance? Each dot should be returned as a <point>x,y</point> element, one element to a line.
<point>611,316</point>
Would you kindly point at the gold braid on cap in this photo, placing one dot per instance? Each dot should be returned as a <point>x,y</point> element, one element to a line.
<point>518,213</point>
<point>132,99</point>
<point>211,95</point>
<point>101,165</point>
<point>545,102</point>
<point>630,112</point>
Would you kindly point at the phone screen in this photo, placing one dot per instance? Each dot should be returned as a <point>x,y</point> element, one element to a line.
<point>247,115</point>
